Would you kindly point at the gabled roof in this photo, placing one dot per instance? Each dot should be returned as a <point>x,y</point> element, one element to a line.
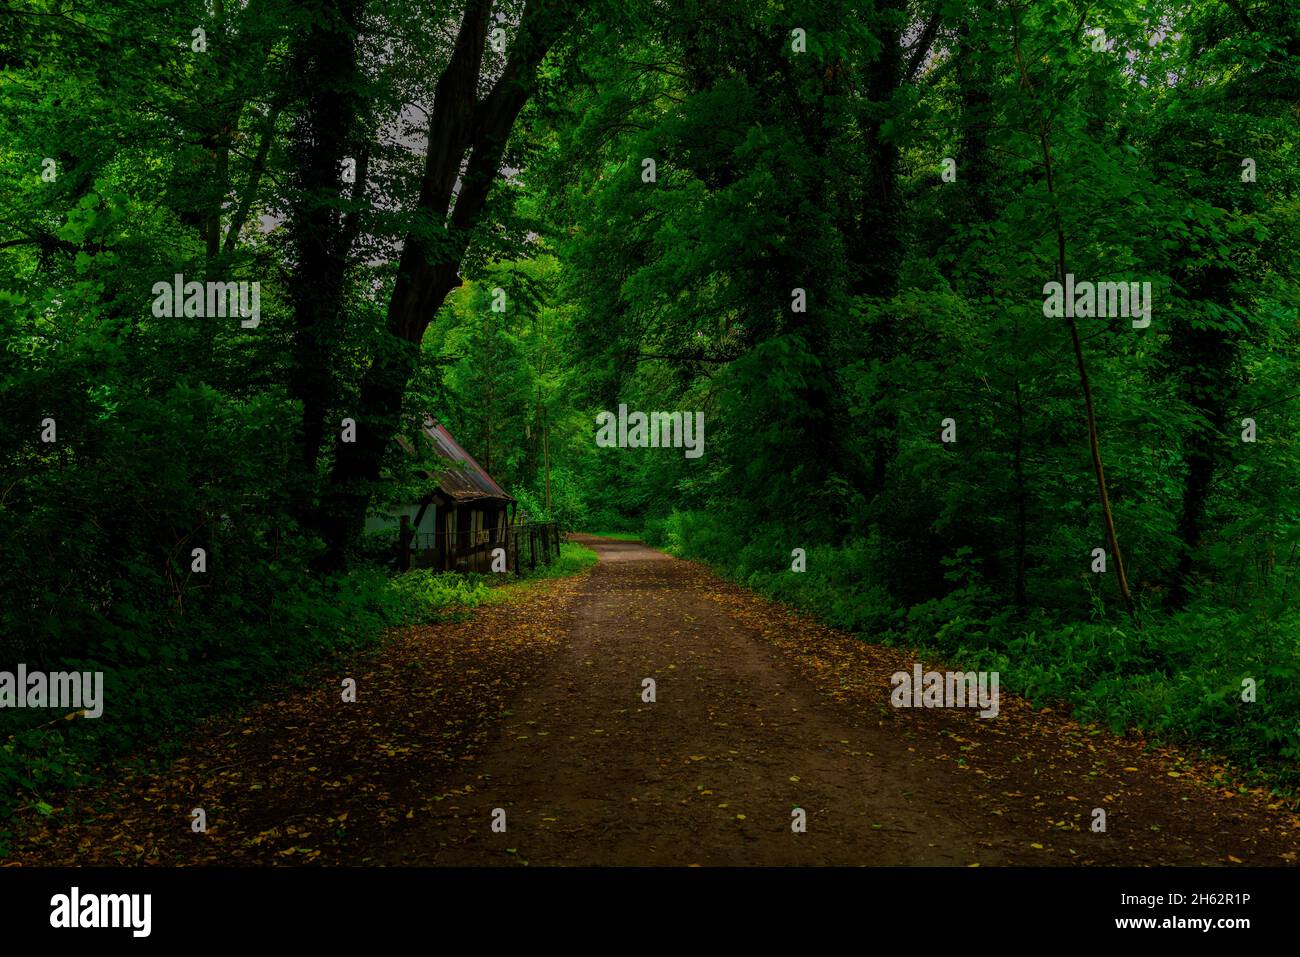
<point>467,481</point>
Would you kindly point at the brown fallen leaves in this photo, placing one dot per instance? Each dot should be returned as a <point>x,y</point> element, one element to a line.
<point>308,779</point>
<point>311,779</point>
<point>1039,771</point>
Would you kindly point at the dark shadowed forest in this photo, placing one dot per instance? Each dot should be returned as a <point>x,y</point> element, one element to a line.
<point>965,327</point>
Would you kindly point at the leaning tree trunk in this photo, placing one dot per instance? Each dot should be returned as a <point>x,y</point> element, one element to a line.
<point>461,123</point>
<point>1085,387</point>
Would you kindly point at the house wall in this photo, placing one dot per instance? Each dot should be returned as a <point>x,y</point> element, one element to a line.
<point>391,520</point>
<point>476,528</point>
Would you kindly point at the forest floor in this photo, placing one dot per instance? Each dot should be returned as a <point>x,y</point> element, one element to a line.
<point>534,706</point>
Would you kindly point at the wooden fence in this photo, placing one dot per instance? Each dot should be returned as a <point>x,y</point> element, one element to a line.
<point>525,544</point>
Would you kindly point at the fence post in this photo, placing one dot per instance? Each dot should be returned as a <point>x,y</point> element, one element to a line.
<point>404,544</point>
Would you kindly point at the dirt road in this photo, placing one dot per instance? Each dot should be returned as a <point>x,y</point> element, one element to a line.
<point>536,707</point>
<point>758,712</point>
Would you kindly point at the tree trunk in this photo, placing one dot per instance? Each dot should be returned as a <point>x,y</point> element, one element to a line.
<point>1202,356</point>
<point>428,271</point>
<point>326,60</point>
<point>877,251</point>
<point>1094,445</point>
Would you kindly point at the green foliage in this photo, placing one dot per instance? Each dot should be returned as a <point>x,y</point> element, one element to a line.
<point>426,595</point>
<point>1180,676</point>
<point>158,683</point>
<point>253,650</point>
<point>777,171</point>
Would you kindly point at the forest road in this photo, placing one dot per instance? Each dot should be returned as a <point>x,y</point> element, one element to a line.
<point>760,713</point>
<point>534,706</point>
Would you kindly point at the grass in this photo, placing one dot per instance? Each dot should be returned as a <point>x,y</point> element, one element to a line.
<point>428,596</point>
<point>155,706</point>
<point>620,536</point>
<point>1178,676</point>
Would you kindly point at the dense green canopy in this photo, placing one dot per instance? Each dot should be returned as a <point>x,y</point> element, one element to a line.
<point>829,227</point>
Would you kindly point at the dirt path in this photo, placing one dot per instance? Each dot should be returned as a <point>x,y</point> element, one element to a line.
<point>534,705</point>
<point>759,712</point>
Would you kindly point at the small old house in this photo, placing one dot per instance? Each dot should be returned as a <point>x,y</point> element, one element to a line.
<point>461,518</point>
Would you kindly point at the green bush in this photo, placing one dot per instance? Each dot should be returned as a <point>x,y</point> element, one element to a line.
<point>1178,676</point>
<point>159,680</point>
<point>225,659</point>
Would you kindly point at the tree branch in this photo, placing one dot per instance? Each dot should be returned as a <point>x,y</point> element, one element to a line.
<point>923,44</point>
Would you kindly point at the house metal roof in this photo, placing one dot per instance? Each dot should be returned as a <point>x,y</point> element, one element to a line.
<point>466,481</point>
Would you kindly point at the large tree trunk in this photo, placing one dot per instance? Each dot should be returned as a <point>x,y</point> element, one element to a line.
<point>1203,356</point>
<point>326,61</point>
<point>977,205</point>
<point>428,271</point>
<point>877,252</point>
